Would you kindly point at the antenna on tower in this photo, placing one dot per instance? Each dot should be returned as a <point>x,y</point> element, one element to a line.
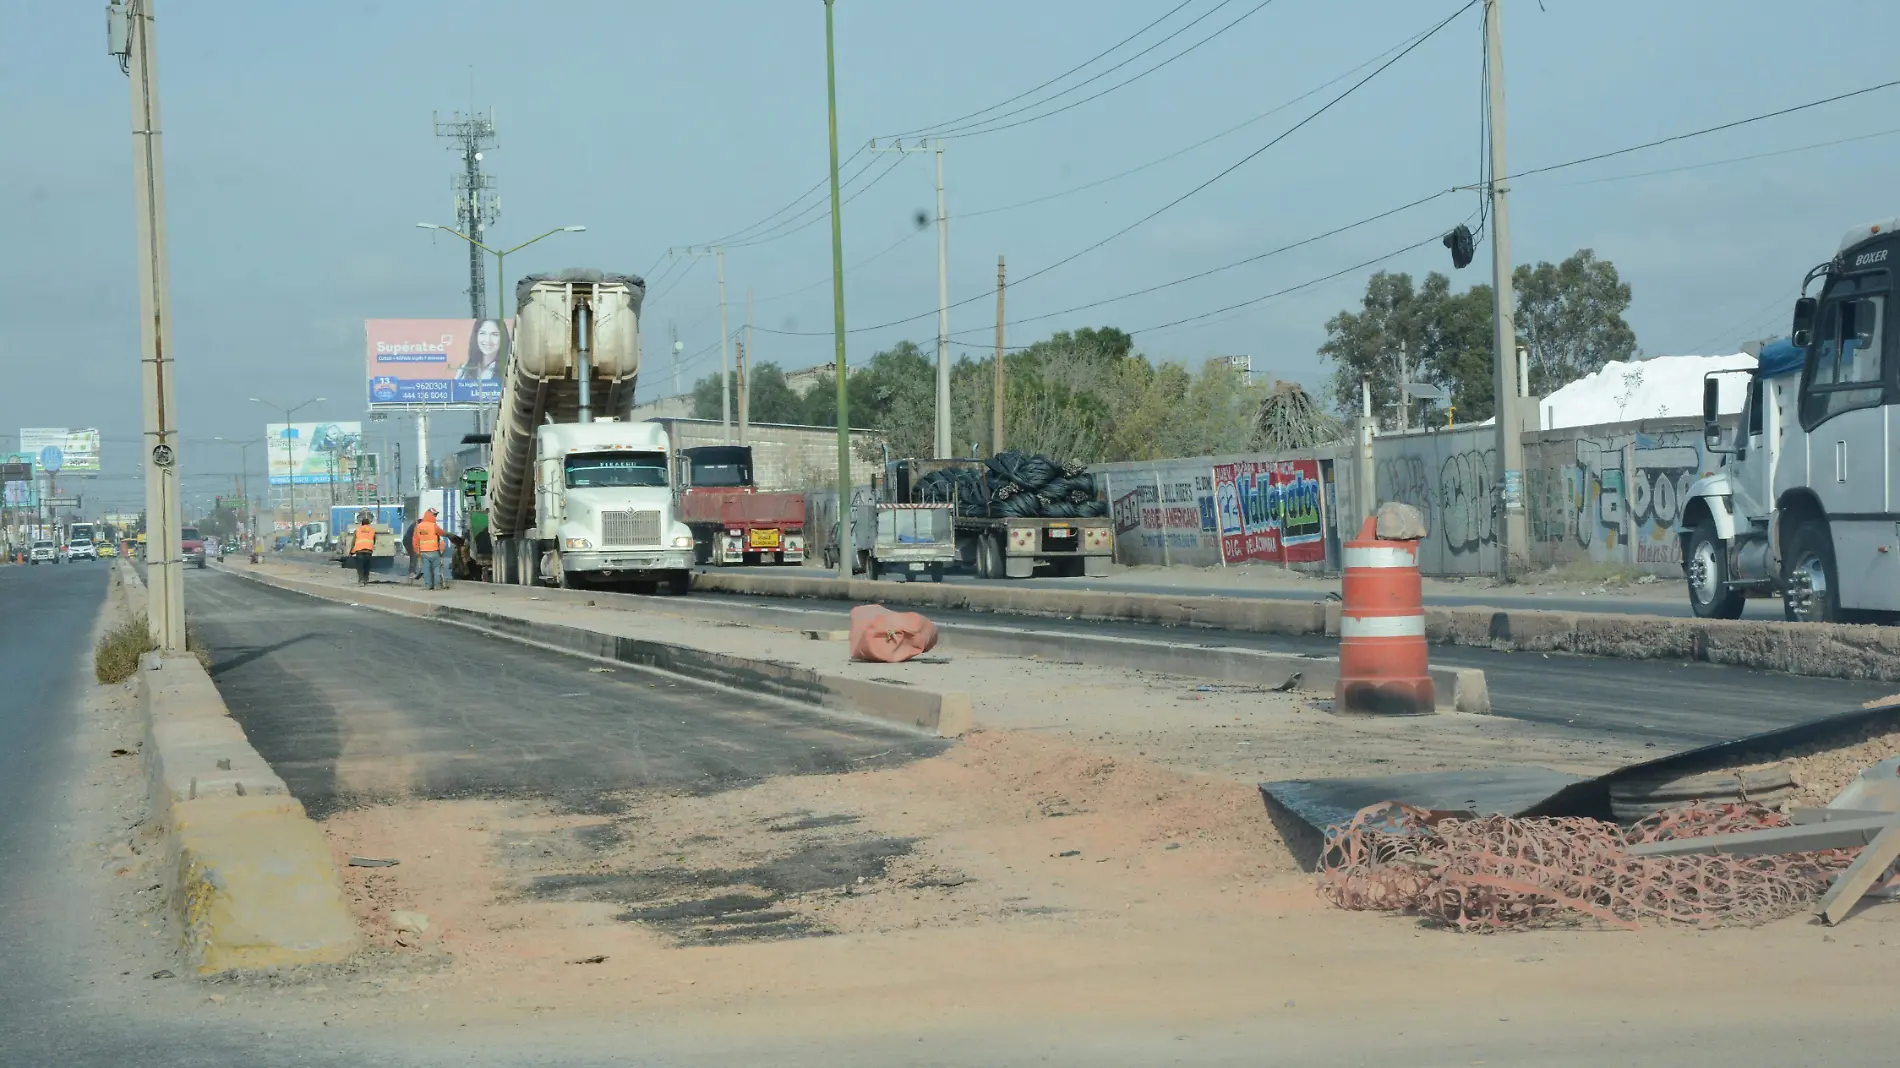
<point>476,202</point>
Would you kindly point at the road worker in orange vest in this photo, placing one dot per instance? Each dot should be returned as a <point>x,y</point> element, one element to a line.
<point>363,546</point>
<point>428,542</point>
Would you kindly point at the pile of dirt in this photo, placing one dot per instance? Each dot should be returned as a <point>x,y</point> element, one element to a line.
<point>1822,768</point>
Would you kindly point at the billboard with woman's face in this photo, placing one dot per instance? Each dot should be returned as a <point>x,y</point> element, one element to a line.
<point>441,363</point>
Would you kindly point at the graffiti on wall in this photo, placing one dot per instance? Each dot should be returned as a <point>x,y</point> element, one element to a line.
<point>1455,492</point>
<point>1628,491</point>
<point>1270,511</point>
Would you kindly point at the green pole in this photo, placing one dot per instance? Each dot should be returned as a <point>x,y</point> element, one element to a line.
<point>845,544</point>
<point>501,314</point>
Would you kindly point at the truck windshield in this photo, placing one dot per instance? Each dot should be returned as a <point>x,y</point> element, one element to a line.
<point>189,534</point>
<point>622,470</point>
<point>714,473</point>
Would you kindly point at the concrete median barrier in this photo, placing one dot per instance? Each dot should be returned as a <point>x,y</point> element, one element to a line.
<point>249,875</point>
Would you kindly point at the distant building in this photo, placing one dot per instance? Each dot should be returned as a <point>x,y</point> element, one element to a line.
<point>1242,365</point>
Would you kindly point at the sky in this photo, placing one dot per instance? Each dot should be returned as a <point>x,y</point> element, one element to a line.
<point>300,155</point>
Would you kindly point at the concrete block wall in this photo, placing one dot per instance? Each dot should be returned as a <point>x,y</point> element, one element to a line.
<point>786,457</point>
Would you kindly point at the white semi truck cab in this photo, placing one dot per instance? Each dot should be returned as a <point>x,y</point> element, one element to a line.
<point>603,509</point>
<point>1804,505</point>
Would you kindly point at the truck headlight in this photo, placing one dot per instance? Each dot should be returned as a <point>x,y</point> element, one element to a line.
<point>576,543</point>
<point>684,541</point>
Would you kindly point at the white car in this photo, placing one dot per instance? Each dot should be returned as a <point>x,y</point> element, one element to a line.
<point>43,552</point>
<point>82,550</point>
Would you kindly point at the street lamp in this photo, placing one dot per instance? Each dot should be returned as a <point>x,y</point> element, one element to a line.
<point>501,278</point>
<point>244,480</point>
<point>290,469</point>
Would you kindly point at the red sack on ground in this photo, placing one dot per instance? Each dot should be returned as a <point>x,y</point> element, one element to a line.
<point>888,637</point>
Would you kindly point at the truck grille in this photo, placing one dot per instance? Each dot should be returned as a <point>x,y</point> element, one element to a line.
<point>630,528</point>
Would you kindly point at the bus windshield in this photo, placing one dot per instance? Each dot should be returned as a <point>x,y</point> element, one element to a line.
<point>618,470</point>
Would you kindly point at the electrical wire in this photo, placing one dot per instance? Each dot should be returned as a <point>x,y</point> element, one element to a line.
<point>823,208</point>
<point>1237,127</point>
<point>1706,130</point>
<point>989,126</point>
<point>826,280</point>
<point>795,202</point>
<point>1223,267</point>
<point>1236,165</point>
<point>1079,66</point>
<point>683,275</point>
<point>1734,159</point>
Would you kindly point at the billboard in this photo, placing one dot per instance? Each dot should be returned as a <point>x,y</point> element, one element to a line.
<point>55,448</point>
<point>14,493</point>
<point>1269,511</point>
<point>440,363</point>
<point>307,454</point>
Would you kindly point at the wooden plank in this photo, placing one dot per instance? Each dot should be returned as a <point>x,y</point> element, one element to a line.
<point>1838,834</point>
<point>1859,877</point>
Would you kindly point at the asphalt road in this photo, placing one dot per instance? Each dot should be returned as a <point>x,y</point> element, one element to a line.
<point>355,707</point>
<point>1678,705</point>
<point>1669,598</point>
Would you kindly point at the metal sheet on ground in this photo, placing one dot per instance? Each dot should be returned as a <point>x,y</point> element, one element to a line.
<point>353,707</point>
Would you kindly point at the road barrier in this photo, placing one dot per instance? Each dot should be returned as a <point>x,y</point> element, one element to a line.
<point>249,875</point>
<point>1384,663</point>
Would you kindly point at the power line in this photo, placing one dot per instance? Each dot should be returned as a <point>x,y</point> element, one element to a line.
<point>989,126</point>
<point>825,208</point>
<point>1706,130</point>
<point>1237,164</point>
<point>677,281</point>
<point>1276,109</point>
<point>826,280</point>
<point>1225,266</point>
<point>1734,159</point>
<point>1027,92</point>
<point>795,202</point>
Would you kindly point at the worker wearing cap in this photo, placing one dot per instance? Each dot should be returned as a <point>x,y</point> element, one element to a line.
<point>428,541</point>
<point>363,546</point>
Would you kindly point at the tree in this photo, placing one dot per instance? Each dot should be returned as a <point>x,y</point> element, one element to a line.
<point>1570,317</point>
<point>1367,345</point>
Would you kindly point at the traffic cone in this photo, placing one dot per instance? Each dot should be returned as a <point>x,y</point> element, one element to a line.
<point>1384,663</point>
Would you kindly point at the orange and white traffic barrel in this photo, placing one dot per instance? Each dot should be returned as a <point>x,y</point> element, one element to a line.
<point>1384,665</point>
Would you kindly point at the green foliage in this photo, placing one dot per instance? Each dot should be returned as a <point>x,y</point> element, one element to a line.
<point>1085,395</point>
<point>1570,317</point>
<point>117,657</point>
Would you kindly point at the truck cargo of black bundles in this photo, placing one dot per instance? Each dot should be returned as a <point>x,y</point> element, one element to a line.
<point>1016,485</point>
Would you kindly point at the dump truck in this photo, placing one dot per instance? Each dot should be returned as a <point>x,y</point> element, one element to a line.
<point>577,495</point>
<point>1801,509</point>
<point>990,542</point>
<point>388,520</point>
<point>474,547</point>
<point>732,521</point>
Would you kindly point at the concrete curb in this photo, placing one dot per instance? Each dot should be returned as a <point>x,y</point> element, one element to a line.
<point>945,715</point>
<point>1820,650</point>
<point>249,875</point>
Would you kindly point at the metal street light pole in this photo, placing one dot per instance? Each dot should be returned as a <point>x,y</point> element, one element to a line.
<point>501,282</point>
<point>129,37</point>
<point>845,544</point>
<point>290,467</point>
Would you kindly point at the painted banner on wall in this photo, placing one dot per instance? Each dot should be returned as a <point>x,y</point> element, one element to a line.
<point>1270,511</point>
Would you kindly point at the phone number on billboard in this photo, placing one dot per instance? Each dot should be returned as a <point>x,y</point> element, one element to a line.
<point>392,390</point>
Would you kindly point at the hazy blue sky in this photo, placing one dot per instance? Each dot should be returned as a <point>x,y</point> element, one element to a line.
<point>300,156</point>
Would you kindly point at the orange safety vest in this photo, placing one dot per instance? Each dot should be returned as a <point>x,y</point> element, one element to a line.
<point>365,540</point>
<point>428,536</point>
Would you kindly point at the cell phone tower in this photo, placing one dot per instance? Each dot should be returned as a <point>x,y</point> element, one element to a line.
<point>477,204</point>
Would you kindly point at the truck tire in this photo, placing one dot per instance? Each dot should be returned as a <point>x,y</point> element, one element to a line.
<point>679,583</point>
<point>989,556</point>
<point>1812,549</point>
<point>1705,566</point>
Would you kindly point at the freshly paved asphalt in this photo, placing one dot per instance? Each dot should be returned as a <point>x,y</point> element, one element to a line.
<point>356,707</point>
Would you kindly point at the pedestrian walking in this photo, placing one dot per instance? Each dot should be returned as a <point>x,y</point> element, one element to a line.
<point>363,546</point>
<point>428,540</point>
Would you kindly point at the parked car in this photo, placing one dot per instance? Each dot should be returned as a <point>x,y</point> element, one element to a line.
<point>192,544</point>
<point>43,552</point>
<point>82,550</point>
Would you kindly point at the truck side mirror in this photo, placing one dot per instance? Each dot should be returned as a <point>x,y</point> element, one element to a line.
<point>1802,333</point>
<point>1711,408</point>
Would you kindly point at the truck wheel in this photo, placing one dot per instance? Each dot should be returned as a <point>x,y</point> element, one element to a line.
<point>936,573</point>
<point>679,583</point>
<point>1811,550</point>
<point>644,587</point>
<point>1706,566</point>
<point>989,557</point>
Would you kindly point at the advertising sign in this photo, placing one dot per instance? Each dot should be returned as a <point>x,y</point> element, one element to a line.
<point>17,493</point>
<point>55,448</point>
<point>308,454</point>
<point>1269,511</point>
<point>441,363</point>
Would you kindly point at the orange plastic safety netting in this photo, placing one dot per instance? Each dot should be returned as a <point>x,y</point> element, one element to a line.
<point>1500,872</point>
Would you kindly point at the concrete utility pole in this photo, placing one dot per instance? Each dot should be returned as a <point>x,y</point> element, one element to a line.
<point>675,331</point>
<point>1513,531</point>
<point>846,551</point>
<point>1405,399</point>
<point>741,350</point>
<point>996,403</point>
<point>745,372</point>
<point>725,355</point>
<point>944,446</point>
<point>129,36</point>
